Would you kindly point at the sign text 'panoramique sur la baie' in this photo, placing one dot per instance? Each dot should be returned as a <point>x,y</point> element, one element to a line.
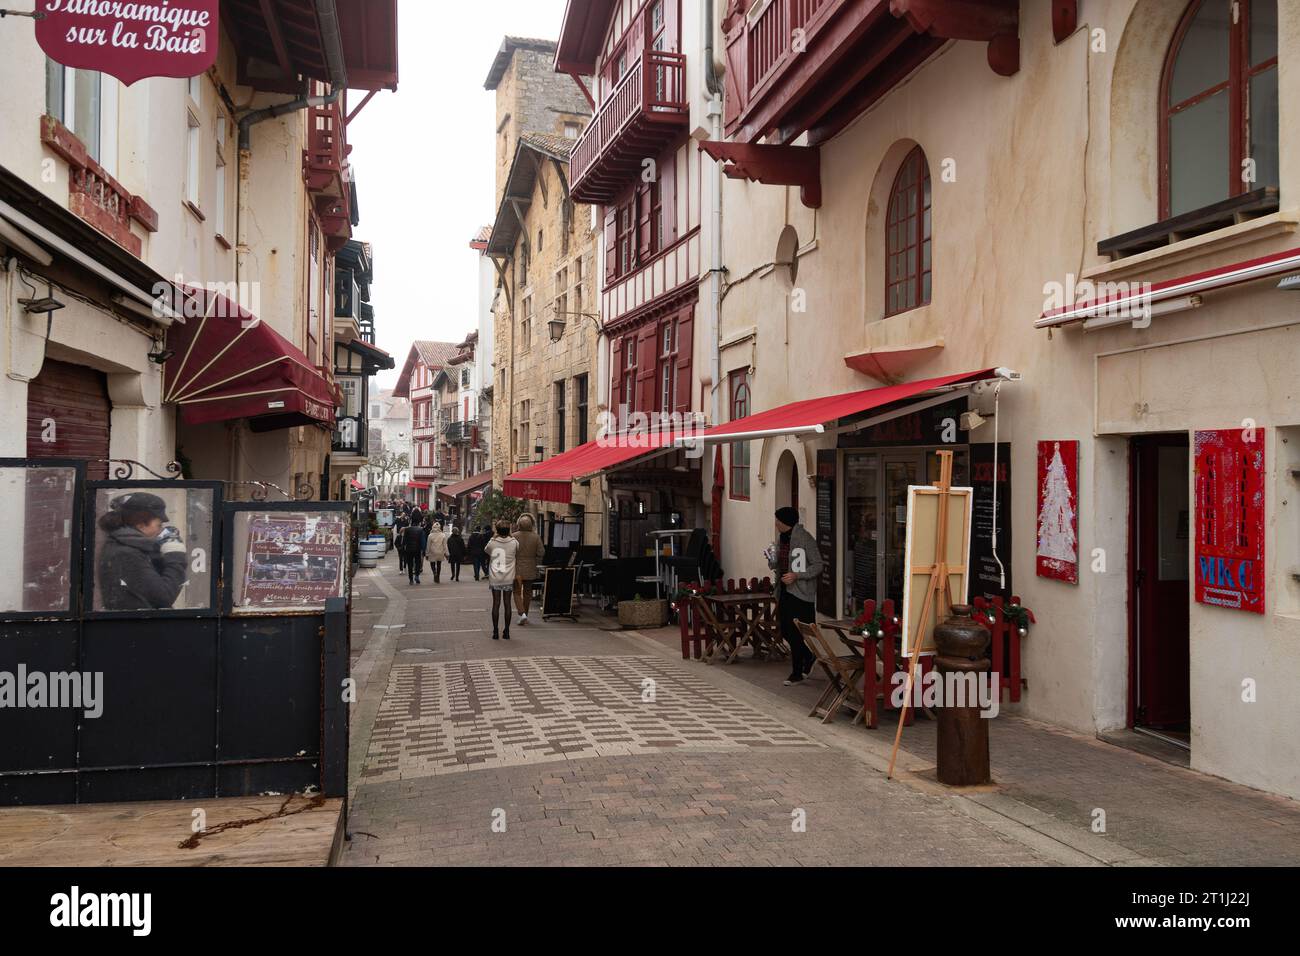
<point>130,40</point>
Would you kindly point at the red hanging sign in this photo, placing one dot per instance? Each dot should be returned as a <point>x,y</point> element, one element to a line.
<point>1058,511</point>
<point>130,40</point>
<point>1230,518</point>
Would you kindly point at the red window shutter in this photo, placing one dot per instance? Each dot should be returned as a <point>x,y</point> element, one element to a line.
<point>668,196</point>
<point>611,243</point>
<point>616,366</point>
<point>685,353</point>
<point>647,366</point>
<point>645,237</point>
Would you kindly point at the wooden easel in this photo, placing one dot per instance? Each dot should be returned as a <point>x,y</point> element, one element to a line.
<point>940,587</point>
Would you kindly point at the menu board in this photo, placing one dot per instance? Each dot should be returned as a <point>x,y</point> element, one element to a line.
<point>826,529</point>
<point>293,560</point>
<point>986,578</point>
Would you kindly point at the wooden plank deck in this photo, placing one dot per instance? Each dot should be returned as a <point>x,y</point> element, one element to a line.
<point>244,831</point>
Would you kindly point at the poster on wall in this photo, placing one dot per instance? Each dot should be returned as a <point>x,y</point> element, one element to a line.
<point>1229,487</point>
<point>130,41</point>
<point>1058,511</point>
<point>989,578</point>
<point>293,561</point>
<point>826,528</point>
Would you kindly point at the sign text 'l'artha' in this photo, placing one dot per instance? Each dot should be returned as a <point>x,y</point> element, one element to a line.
<point>130,40</point>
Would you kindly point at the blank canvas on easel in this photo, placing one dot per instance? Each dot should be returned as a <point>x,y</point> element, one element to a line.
<point>919,556</point>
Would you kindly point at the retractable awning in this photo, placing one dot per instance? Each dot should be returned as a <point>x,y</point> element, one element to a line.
<point>469,484</point>
<point>812,416</point>
<point>228,365</point>
<point>552,480</point>
<point>1132,299</point>
<point>419,485</point>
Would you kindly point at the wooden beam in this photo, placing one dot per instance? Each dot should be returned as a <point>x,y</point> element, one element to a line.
<point>773,166</point>
<point>995,21</point>
<point>277,37</point>
<point>585,92</point>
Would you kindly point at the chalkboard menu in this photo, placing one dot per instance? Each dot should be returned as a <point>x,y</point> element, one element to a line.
<point>986,580</point>
<point>826,529</point>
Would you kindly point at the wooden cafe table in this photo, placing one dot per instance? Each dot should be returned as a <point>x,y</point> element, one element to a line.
<point>749,620</point>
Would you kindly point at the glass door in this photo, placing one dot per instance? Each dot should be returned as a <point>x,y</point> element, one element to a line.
<point>900,470</point>
<point>861,530</point>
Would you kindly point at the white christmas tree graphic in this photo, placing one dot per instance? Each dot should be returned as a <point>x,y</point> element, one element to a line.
<point>1056,517</point>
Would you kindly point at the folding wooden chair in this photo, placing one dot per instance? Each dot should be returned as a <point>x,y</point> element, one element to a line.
<point>724,633</point>
<point>843,672</point>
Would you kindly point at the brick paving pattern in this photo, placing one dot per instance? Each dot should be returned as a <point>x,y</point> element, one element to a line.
<point>448,718</point>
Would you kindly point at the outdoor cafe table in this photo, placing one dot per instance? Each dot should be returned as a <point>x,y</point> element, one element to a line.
<point>851,635</point>
<point>749,617</point>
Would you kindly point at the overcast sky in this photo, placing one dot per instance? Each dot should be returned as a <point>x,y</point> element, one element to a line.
<point>425,169</point>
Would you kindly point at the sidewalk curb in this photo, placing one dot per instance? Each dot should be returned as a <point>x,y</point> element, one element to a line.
<point>1058,842</point>
<point>371,676</point>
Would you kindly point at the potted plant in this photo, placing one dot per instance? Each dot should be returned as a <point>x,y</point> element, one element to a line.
<point>640,612</point>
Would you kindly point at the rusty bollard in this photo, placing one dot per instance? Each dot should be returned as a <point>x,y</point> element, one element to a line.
<point>963,746</point>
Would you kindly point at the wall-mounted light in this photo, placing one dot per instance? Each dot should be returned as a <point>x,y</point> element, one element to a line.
<point>556,328</point>
<point>159,357</point>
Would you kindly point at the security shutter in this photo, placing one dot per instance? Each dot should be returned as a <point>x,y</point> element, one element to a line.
<point>68,414</point>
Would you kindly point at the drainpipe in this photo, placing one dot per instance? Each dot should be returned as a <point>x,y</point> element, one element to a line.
<point>714,88</point>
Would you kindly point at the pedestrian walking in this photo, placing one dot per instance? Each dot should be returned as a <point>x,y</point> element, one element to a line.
<point>501,551</point>
<point>474,550</point>
<point>400,524</point>
<point>797,561</point>
<point>455,552</point>
<point>414,543</point>
<point>437,551</point>
<point>531,554</point>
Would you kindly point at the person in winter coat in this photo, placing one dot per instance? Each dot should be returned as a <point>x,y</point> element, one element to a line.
<point>455,552</point>
<point>501,552</point>
<point>400,524</point>
<point>437,551</point>
<point>143,564</point>
<point>414,542</point>
<point>474,550</point>
<point>797,561</point>
<point>531,554</point>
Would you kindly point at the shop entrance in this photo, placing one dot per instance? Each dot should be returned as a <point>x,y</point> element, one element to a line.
<point>1159,587</point>
<point>875,518</point>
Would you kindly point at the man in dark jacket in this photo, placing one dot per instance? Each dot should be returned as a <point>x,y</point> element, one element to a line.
<point>474,550</point>
<point>414,541</point>
<point>400,524</point>
<point>455,552</point>
<point>797,561</point>
<point>142,565</point>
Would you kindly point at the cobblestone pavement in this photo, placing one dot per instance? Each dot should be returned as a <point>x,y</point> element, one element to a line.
<point>576,744</point>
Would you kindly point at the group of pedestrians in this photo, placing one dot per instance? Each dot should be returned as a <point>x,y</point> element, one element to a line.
<point>514,559</point>
<point>420,536</point>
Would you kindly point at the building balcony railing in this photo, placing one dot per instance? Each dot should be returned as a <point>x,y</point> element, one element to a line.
<point>640,115</point>
<point>327,150</point>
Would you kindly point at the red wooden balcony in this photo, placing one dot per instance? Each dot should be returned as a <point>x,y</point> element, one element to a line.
<point>796,66</point>
<point>641,114</point>
<point>324,161</point>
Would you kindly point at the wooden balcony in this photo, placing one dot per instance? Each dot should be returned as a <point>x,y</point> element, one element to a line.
<point>796,66</point>
<point>640,116</point>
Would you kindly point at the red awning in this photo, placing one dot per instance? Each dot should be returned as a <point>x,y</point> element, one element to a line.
<point>812,415</point>
<point>1134,299</point>
<point>229,364</point>
<point>421,485</point>
<point>552,480</point>
<point>469,484</point>
<point>357,486</point>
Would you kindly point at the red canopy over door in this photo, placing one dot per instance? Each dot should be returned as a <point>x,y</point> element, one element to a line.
<point>229,364</point>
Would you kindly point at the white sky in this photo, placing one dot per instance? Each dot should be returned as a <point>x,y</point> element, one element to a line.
<point>425,165</point>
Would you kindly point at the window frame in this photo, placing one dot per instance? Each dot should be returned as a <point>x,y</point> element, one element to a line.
<point>914,161</point>
<point>738,407</point>
<point>1237,86</point>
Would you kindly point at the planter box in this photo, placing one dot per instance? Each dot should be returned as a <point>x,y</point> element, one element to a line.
<point>642,613</point>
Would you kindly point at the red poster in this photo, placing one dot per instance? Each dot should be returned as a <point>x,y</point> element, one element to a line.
<point>130,40</point>
<point>1058,510</point>
<point>1230,518</point>
<point>294,561</point>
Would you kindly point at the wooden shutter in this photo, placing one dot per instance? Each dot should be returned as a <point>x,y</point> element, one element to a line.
<point>685,355</point>
<point>644,233</point>
<point>616,375</point>
<point>611,243</point>
<point>668,196</point>
<point>647,351</point>
<point>75,399</point>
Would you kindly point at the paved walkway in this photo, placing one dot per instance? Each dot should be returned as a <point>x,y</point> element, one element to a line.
<point>580,744</point>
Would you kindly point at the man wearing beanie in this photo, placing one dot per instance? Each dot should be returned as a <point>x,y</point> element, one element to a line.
<point>797,563</point>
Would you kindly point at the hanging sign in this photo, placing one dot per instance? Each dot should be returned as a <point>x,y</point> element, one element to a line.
<point>1058,511</point>
<point>130,40</point>
<point>1230,518</point>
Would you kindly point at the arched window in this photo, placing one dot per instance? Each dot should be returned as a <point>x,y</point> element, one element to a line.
<point>1218,101</point>
<point>907,237</point>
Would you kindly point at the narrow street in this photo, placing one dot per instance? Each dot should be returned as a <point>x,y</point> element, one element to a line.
<point>542,751</point>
